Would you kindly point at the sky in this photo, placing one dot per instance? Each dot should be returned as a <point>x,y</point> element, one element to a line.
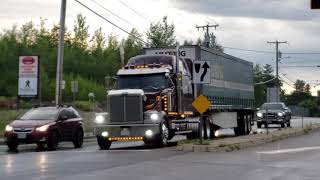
<point>243,24</point>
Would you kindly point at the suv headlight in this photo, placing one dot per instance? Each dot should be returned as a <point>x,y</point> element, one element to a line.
<point>101,118</point>
<point>8,128</point>
<point>43,128</point>
<point>259,114</point>
<point>280,114</point>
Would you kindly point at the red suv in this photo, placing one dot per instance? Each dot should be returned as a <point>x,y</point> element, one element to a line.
<point>45,126</point>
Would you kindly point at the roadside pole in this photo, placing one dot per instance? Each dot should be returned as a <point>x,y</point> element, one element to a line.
<point>201,129</point>
<point>58,96</point>
<point>302,120</point>
<point>267,120</point>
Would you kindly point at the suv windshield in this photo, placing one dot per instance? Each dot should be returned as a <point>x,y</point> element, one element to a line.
<point>271,106</point>
<point>41,114</point>
<point>149,82</point>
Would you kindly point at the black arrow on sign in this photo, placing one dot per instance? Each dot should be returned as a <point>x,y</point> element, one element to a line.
<point>205,66</point>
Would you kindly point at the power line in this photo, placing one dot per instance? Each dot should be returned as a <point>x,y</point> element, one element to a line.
<point>110,22</point>
<point>134,11</point>
<point>249,50</point>
<point>269,52</point>
<point>111,12</point>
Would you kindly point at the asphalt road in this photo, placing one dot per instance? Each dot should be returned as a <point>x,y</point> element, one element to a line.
<point>294,158</point>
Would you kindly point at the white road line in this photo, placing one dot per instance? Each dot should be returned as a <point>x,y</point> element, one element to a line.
<point>290,150</point>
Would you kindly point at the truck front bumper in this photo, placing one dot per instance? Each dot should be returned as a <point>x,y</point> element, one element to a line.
<point>127,132</point>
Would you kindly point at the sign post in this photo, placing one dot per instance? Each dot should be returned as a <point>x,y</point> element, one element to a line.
<point>201,75</point>
<point>201,104</point>
<point>28,77</point>
<point>74,89</point>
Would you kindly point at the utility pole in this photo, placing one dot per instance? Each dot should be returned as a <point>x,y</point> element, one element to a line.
<point>59,72</point>
<point>206,27</point>
<point>277,65</point>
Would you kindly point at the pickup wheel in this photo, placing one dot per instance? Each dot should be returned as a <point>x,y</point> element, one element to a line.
<point>12,146</point>
<point>78,141</point>
<point>53,141</point>
<point>259,125</point>
<point>103,143</point>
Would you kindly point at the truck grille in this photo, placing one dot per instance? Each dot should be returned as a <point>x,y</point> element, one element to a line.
<point>125,108</point>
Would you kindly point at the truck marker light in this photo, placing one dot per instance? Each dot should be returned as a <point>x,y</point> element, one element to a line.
<point>183,116</point>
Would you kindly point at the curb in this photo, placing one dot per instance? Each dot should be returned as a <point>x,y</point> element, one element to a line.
<point>87,136</point>
<point>241,142</point>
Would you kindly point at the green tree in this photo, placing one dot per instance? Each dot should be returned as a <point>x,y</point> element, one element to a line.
<point>81,33</point>
<point>161,34</point>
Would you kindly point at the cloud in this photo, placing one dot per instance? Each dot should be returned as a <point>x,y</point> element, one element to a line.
<point>270,9</point>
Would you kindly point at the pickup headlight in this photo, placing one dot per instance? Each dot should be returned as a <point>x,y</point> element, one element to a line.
<point>259,114</point>
<point>8,128</point>
<point>101,118</point>
<point>280,114</point>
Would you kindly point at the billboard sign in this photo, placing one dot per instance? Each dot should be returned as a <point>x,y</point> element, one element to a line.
<point>28,76</point>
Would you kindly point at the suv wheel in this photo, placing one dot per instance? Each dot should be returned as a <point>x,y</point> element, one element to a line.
<point>103,143</point>
<point>78,141</point>
<point>12,146</point>
<point>53,141</point>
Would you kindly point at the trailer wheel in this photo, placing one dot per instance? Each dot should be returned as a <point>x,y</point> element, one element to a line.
<point>240,129</point>
<point>207,129</point>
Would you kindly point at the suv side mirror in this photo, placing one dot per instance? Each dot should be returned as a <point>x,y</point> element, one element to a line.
<point>63,117</point>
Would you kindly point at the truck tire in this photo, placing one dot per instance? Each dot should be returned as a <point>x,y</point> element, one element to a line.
<point>207,129</point>
<point>283,125</point>
<point>162,139</point>
<point>103,143</point>
<point>288,124</point>
<point>240,129</point>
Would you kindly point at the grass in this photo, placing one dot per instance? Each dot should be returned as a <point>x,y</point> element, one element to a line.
<point>194,141</point>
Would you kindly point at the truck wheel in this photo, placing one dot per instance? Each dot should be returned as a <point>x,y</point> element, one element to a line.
<point>163,136</point>
<point>53,141</point>
<point>12,146</point>
<point>78,141</point>
<point>103,143</point>
<point>240,129</point>
<point>282,125</point>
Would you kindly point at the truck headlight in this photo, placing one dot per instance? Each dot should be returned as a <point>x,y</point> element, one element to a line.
<point>99,119</point>
<point>8,128</point>
<point>259,114</point>
<point>280,114</point>
<point>154,117</point>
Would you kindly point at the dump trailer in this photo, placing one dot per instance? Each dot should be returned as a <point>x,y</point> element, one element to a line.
<point>154,94</point>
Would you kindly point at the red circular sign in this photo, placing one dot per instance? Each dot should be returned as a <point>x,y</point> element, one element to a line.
<point>28,60</point>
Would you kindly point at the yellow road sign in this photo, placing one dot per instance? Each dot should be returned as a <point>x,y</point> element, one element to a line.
<point>201,104</point>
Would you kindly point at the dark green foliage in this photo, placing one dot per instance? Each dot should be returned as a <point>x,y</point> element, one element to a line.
<point>86,60</point>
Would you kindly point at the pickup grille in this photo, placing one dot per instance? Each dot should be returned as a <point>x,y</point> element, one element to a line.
<point>269,115</point>
<point>125,108</point>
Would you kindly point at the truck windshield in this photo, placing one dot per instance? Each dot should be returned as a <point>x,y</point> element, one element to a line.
<point>271,106</point>
<point>150,82</point>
